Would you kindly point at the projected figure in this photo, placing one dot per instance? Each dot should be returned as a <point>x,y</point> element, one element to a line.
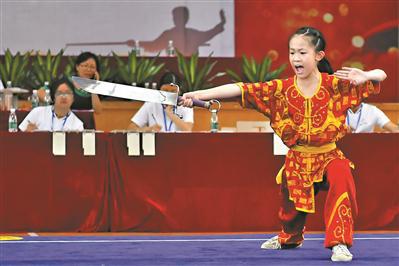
<point>186,40</point>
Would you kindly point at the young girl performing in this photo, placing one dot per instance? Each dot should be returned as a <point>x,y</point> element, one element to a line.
<point>308,112</point>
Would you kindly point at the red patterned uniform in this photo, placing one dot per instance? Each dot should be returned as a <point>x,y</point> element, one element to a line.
<point>310,126</point>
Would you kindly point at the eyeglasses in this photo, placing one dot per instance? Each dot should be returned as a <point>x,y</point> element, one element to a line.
<point>88,66</point>
<point>65,94</point>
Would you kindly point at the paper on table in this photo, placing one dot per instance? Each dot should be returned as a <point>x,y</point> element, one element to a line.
<point>133,143</point>
<point>59,143</point>
<point>89,143</point>
<point>148,144</point>
<point>279,148</point>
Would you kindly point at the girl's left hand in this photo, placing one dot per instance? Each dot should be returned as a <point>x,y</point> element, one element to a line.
<point>354,75</point>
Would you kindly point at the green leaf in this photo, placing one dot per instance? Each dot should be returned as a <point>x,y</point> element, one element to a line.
<point>264,68</point>
<point>233,75</point>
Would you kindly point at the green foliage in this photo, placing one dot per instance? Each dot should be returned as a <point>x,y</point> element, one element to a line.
<point>13,68</point>
<point>136,69</point>
<point>45,68</point>
<point>195,77</point>
<point>106,72</point>
<point>254,72</point>
<point>69,69</point>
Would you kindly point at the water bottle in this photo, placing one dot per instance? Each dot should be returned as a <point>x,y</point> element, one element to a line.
<point>147,85</point>
<point>154,85</point>
<point>46,85</point>
<point>170,51</point>
<point>12,121</point>
<point>214,121</point>
<point>137,48</point>
<point>34,99</point>
<point>8,97</point>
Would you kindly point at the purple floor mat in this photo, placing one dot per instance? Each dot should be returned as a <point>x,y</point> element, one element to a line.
<point>368,249</point>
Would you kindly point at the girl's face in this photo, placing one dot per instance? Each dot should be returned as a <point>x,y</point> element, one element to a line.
<point>87,68</point>
<point>303,56</point>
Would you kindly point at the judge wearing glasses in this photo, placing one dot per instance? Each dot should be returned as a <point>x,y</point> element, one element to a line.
<point>87,66</point>
<point>57,117</point>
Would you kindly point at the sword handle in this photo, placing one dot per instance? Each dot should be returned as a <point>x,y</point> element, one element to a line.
<point>200,103</point>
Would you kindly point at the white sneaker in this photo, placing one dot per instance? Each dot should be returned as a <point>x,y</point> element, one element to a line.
<point>273,243</point>
<point>340,252</point>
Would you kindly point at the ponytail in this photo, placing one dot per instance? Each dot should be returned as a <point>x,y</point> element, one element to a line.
<point>324,66</point>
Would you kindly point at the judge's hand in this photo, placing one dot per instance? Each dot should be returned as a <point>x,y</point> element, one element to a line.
<point>31,127</point>
<point>154,128</point>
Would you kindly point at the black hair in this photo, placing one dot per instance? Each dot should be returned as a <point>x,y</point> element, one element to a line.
<point>86,56</point>
<point>169,77</point>
<point>318,41</point>
<point>56,83</point>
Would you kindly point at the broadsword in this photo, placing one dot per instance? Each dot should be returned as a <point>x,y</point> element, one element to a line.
<point>132,92</point>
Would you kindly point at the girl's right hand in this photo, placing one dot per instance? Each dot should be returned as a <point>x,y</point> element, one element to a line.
<point>187,99</point>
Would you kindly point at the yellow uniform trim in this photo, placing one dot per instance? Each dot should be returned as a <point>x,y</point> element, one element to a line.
<point>340,199</point>
<point>313,149</point>
<point>279,177</point>
<point>240,84</point>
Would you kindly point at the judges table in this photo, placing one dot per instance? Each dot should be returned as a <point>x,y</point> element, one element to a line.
<point>196,182</point>
<point>86,116</point>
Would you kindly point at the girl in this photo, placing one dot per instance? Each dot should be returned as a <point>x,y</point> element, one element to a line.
<point>308,112</point>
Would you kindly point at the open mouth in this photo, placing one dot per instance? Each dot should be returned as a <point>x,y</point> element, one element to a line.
<point>299,69</point>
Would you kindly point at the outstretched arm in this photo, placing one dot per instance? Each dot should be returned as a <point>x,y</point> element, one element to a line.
<point>220,92</point>
<point>358,77</point>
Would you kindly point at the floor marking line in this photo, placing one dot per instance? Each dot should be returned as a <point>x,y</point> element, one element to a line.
<point>176,240</point>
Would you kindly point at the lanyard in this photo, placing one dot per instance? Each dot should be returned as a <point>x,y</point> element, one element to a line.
<point>54,116</point>
<point>358,119</point>
<point>167,128</point>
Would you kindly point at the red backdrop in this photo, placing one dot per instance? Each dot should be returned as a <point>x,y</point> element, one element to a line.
<point>262,26</point>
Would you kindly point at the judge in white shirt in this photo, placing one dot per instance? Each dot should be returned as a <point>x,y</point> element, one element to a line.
<point>57,117</point>
<point>156,117</point>
<point>364,117</point>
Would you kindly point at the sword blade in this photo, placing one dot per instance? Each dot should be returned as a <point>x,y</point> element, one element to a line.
<point>125,91</point>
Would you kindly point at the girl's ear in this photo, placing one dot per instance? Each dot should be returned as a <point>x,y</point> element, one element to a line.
<point>320,55</point>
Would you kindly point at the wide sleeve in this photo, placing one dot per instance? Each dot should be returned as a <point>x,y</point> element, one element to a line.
<point>260,95</point>
<point>353,95</point>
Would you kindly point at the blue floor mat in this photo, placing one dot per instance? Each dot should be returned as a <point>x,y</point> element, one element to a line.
<point>214,249</point>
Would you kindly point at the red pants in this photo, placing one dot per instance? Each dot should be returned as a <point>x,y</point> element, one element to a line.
<point>339,208</point>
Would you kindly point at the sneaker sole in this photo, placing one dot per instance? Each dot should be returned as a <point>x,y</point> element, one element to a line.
<point>335,259</point>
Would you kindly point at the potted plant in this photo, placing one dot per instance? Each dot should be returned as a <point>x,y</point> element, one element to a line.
<point>13,68</point>
<point>137,70</point>
<point>45,68</point>
<point>254,72</point>
<point>195,77</point>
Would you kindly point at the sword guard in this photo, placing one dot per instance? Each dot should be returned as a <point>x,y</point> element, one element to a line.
<point>204,104</point>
